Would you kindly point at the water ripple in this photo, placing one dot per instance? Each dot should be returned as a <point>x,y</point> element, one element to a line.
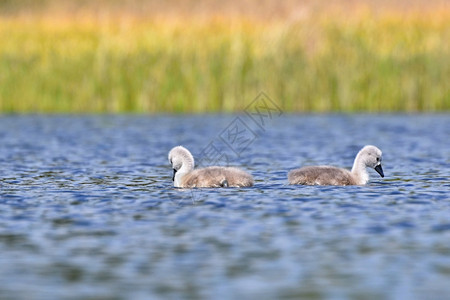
<point>87,210</point>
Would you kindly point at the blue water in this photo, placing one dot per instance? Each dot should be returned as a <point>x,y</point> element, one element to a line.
<point>88,211</point>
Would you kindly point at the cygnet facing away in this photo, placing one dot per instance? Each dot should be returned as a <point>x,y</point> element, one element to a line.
<point>185,176</point>
<point>369,156</point>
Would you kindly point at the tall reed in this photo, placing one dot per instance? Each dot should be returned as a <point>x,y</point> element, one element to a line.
<point>388,62</point>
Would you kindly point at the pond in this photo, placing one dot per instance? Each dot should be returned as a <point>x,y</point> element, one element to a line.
<point>88,210</point>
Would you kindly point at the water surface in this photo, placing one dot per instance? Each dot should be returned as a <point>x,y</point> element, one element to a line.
<point>87,209</point>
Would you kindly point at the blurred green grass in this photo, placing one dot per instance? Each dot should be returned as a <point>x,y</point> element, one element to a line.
<point>376,63</point>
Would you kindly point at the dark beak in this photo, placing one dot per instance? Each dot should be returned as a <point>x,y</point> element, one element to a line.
<point>379,170</point>
<point>175,171</point>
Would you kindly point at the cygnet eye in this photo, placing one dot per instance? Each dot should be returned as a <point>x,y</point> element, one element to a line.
<point>378,159</point>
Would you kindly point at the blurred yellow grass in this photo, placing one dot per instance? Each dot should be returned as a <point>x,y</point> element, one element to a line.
<point>388,61</point>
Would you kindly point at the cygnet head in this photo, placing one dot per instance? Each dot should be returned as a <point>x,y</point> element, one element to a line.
<point>181,160</point>
<point>372,157</point>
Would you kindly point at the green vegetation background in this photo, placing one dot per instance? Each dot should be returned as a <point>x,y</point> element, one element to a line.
<point>148,58</point>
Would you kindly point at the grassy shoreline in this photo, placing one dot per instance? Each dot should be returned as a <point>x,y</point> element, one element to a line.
<point>327,63</point>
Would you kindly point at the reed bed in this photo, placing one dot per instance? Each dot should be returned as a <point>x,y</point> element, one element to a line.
<point>383,62</point>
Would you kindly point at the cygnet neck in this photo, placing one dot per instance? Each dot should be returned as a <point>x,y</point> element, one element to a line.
<point>359,169</point>
<point>187,165</point>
